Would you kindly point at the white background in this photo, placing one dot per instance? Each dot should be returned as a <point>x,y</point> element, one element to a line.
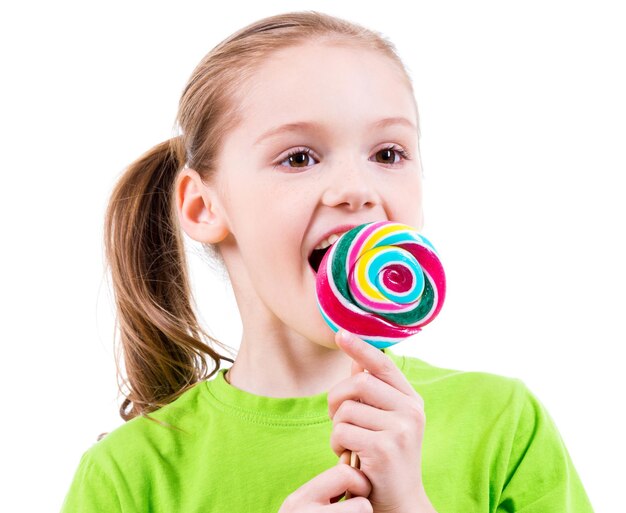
<point>523,127</point>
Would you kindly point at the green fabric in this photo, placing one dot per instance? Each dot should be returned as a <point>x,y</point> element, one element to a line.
<point>489,446</point>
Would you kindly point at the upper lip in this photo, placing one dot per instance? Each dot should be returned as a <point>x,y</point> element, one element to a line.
<point>337,229</point>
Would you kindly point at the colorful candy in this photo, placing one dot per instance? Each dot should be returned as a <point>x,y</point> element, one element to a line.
<point>381,281</point>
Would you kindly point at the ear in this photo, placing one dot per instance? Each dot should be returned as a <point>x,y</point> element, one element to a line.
<point>198,208</point>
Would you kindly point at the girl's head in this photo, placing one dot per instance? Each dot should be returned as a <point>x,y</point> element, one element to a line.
<point>293,126</point>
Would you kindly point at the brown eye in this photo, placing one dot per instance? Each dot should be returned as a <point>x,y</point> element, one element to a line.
<point>298,158</point>
<point>386,156</point>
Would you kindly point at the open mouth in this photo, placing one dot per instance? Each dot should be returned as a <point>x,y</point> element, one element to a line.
<point>315,259</point>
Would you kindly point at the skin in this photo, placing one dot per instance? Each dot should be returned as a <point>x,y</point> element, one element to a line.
<point>266,212</point>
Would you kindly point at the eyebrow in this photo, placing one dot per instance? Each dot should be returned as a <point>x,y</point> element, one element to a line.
<point>311,125</point>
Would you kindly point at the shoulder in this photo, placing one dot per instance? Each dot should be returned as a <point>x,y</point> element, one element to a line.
<point>112,473</point>
<point>495,422</point>
<point>464,394</point>
<point>423,374</point>
<point>159,431</point>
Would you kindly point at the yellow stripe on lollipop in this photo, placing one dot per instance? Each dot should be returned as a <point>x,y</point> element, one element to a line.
<point>379,234</point>
<point>360,271</point>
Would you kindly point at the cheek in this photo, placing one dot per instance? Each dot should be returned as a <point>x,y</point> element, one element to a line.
<point>408,205</point>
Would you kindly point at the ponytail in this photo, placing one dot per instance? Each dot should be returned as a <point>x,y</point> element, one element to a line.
<point>161,339</point>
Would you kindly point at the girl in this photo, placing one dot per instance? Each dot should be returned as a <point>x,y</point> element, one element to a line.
<point>295,128</point>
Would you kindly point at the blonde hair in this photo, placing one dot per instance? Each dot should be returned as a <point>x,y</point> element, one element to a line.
<point>164,347</point>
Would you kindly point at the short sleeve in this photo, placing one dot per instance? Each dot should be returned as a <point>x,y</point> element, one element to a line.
<point>540,474</point>
<point>91,490</point>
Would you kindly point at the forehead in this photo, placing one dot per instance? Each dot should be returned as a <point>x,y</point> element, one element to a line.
<point>330,83</point>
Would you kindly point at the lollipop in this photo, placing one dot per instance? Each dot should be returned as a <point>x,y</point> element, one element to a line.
<point>381,281</point>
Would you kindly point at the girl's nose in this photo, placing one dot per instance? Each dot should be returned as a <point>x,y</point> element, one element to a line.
<point>351,185</point>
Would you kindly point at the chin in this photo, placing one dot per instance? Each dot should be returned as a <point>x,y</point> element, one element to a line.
<point>324,338</point>
<point>330,340</point>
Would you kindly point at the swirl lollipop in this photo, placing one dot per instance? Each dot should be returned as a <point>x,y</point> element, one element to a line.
<point>381,281</point>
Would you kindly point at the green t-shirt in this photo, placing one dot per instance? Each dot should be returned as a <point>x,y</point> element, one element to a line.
<point>489,446</point>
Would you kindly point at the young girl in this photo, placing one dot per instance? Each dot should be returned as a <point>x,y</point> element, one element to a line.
<point>297,127</point>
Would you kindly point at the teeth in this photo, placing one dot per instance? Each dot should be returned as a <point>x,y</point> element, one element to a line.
<point>330,240</point>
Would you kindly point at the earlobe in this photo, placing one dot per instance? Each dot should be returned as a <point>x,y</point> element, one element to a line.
<point>198,208</point>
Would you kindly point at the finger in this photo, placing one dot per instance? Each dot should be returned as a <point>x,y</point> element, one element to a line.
<point>351,438</point>
<point>344,459</point>
<point>332,483</point>
<point>370,390</point>
<point>364,416</point>
<point>374,360</point>
<point>356,368</point>
<point>351,505</point>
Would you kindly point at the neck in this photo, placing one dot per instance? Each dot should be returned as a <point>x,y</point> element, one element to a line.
<point>299,369</point>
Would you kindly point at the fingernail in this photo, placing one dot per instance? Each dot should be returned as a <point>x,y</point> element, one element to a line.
<point>345,336</point>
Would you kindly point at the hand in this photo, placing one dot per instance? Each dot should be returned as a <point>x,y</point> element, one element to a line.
<point>318,495</point>
<point>385,428</point>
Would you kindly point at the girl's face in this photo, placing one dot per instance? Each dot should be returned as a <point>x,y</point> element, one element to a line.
<point>348,119</point>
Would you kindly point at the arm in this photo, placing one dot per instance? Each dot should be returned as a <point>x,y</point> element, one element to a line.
<point>91,490</point>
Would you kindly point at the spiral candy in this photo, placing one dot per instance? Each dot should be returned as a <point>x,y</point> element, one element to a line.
<point>381,281</point>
